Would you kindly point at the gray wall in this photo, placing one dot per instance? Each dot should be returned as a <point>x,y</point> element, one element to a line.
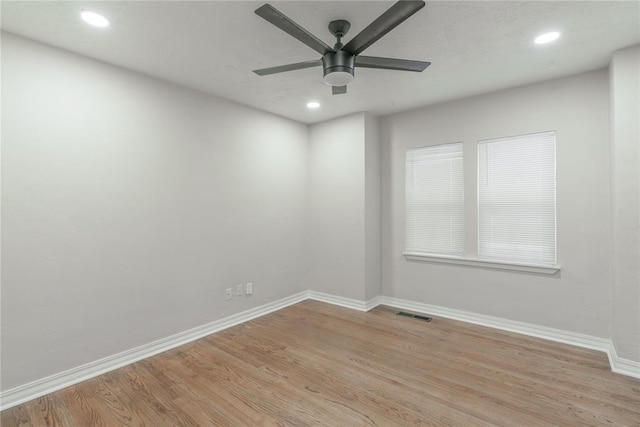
<point>625,202</point>
<point>336,206</point>
<point>372,209</point>
<point>578,298</point>
<point>344,207</point>
<point>129,205</point>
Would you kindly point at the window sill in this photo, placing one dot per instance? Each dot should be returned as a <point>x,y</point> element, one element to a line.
<point>474,262</point>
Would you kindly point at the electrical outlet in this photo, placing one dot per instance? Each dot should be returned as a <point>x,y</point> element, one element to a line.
<point>249,288</point>
<point>229,293</point>
<point>239,290</point>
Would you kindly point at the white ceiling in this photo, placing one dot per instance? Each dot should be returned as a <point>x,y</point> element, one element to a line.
<point>213,46</point>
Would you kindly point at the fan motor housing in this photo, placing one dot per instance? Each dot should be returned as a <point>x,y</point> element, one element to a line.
<point>339,61</point>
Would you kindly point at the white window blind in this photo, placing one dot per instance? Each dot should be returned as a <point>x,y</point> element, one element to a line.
<point>517,198</point>
<point>435,200</point>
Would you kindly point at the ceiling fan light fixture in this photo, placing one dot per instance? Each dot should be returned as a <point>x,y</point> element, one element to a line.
<point>338,67</point>
<point>338,78</point>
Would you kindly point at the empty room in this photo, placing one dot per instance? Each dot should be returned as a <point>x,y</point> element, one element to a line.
<point>331,213</point>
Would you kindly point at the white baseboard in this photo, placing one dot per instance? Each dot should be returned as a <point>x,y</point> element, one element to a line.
<point>558,335</point>
<point>373,303</point>
<point>345,302</point>
<point>622,366</point>
<point>618,365</point>
<point>38,388</point>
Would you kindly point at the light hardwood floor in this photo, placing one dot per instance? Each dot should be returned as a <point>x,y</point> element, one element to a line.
<point>317,364</point>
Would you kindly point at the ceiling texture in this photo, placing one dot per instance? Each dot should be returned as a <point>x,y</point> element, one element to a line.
<point>212,46</point>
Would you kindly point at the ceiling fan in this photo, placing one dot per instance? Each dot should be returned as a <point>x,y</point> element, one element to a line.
<point>338,63</point>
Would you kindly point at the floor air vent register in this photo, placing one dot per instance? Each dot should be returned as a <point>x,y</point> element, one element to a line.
<point>413,316</point>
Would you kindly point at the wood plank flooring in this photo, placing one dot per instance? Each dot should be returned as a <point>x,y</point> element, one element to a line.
<point>317,364</point>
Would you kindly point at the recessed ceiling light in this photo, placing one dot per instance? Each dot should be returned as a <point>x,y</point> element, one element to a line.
<point>313,105</point>
<point>547,37</point>
<point>94,18</point>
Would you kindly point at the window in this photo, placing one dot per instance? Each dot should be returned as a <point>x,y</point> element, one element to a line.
<point>516,209</point>
<point>517,199</point>
<point>435,200</point>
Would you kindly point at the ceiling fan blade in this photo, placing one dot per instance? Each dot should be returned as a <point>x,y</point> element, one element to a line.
<point>338,90</point>
<point>391,63</point>
<point>288,67</point>
<point>278,19</point>
<point>386,22</point>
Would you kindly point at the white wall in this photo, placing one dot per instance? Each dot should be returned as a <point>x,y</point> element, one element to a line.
<point>625,191</point>
<point>130,204</point>
<point>577,299</point>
